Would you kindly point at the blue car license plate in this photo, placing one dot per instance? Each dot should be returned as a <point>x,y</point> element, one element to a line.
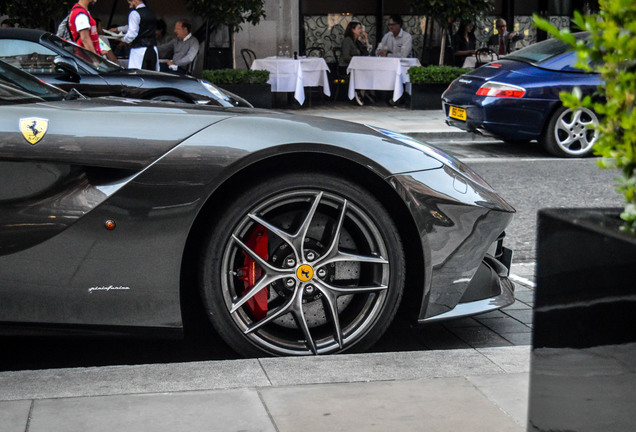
<point>457,113</point>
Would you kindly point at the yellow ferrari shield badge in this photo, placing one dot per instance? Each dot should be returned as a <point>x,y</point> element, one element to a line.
<point>33,129</point>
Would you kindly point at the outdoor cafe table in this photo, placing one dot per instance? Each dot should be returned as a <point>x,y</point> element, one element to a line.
<point>293,75</point>
<point>380,73</point>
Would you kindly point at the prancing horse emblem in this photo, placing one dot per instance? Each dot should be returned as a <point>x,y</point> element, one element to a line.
<point>33,129</point>
<point>305,273</point>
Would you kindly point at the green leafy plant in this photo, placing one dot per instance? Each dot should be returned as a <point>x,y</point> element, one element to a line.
<point>435,74</point>
<point>611,52</point>
<point>448,12</point>
<point>231,13</point>
<point>46,14</point>
<point>235,77</point>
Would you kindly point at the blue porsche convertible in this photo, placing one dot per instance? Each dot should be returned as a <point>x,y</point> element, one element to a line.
<point>516,98</point>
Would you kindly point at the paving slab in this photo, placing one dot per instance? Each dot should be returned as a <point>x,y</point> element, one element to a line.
<point>114,380</point>
<point>378,367</point>
<point>229,410</point>
<point>14,415</point>
<point>509,392</point>
<point>511,359</point>
<point>448,404</point>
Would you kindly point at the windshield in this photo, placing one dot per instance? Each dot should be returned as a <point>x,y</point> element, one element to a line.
<point>20,87</point>
<point>97,62</point>
<point>541,52</point>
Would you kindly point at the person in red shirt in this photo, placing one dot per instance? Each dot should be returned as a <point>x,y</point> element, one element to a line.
<point>83,27</point>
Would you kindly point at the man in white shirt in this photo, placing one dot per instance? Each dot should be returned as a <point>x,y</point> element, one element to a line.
<point>397,42</point>
<point>140,34</point>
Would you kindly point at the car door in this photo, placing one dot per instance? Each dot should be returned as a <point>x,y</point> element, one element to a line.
<point>38,59</point>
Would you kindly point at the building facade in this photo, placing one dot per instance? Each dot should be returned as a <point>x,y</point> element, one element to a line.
<point>295,25</point>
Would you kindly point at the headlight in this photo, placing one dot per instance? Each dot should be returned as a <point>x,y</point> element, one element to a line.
<point>436,154</point>
<point>215,91</point>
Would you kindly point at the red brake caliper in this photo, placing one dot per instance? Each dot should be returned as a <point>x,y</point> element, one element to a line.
<point>250,273</point>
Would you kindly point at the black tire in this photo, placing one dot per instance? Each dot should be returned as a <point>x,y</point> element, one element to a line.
<point>322,296</point>
<point>570,134</point>
<point>169,98</point>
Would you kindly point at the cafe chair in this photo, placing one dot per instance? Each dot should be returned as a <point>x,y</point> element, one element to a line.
<point>315,51</point>
<point>485,55</point>
<point>248,57</point>
<point>339,75</point>
<point>191,68</point>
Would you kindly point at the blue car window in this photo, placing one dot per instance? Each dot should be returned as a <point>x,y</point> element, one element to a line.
<point>550,54</point>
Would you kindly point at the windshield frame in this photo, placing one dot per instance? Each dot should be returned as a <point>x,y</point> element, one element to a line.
<point>25,87</point>
<point>79,54</point>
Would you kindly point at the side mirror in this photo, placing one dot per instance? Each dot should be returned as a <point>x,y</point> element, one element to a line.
<point>68,65</point>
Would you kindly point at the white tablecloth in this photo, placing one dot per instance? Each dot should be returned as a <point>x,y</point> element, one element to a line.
<point>289,75</point>
<point>380,73</point>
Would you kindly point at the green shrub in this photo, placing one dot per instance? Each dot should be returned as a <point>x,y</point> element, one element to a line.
<point>611,52</point>
<point>435,74</point>
<point>235,76</point>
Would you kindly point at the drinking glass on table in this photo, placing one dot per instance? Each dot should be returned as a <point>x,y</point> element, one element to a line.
<point>381,50</point>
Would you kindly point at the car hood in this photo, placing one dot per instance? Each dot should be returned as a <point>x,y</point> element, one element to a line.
<point>131,134</point>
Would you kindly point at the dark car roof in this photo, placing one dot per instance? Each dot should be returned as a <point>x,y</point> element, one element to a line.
<point>33,35</point>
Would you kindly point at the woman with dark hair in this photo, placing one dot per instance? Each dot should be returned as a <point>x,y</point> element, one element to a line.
<point>355,43</point>
<point>160,32</point>
<point>464,43</point>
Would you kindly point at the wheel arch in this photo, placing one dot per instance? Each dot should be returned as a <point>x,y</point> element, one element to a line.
<point>167,92</point>
<point>413,291</point>
<point>547,119</point>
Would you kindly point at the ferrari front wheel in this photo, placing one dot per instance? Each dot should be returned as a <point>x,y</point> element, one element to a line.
<point>302,264</point>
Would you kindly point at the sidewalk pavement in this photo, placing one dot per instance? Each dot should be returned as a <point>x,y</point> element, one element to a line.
<point>476,389</point>
<point>453,390</point>
<point>424,123</point>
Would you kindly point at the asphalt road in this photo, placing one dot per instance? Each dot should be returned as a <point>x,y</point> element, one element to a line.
<point>523,174</point>
<point>529,179</point>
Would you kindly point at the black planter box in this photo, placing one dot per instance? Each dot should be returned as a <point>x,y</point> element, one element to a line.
<point>583,373</point>
<point>259,95</point>
<point>427,96</point>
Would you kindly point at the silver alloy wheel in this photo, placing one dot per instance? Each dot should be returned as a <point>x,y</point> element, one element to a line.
<point>573,131</point>
<point>326,274</point>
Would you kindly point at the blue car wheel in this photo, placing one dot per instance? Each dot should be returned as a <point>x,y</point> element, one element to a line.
<point>570,133</point>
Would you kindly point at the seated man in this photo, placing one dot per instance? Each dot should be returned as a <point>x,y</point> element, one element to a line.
<point>397,42</point>
<point>183,49</point>
<point>504,41</point>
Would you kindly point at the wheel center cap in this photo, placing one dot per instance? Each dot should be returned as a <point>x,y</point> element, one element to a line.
<point>305,273</point>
